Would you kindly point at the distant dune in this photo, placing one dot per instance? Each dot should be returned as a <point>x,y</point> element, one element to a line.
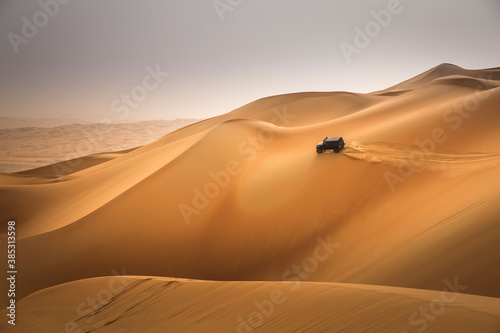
<point>26,148</point>
<point>8,122</point>
<point>396,232</point>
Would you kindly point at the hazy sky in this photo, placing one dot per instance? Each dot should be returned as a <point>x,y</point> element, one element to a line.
<point>82,58</point>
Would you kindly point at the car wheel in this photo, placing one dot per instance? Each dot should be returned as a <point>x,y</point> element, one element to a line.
<point>319,150</point>
<point>336,150</point>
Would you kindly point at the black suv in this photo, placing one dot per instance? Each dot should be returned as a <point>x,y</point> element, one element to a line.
<point>335,142</point>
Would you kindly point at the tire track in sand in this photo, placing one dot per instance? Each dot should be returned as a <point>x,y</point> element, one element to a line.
<point>400,155</point>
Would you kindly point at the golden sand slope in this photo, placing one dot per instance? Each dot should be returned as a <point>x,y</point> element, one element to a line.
<point>411,202</point>
<point>148,304</point>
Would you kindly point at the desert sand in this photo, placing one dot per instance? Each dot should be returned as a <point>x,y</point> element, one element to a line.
<point>396,233</point>
<point>27,147</point>
<point>149,304</point>
<point>13,123</point>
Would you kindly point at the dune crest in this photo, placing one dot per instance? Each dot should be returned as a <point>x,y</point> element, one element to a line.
<point>411,202</point>
<point>151,304</point>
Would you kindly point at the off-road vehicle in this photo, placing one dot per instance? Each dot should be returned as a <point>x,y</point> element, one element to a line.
<point>335,142</point>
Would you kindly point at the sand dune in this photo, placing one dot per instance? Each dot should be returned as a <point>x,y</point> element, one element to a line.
<point>8,122</point>
<point>412,156</point>
<point>443,71</point>
<point>411,202</point>
<point>42,146</point>
<point>149,304</point>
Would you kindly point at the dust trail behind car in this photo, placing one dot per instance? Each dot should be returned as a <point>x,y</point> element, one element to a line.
<point>451,163</point>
